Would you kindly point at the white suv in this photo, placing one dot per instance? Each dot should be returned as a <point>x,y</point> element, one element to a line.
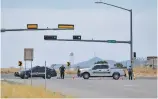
<point>102,70</point>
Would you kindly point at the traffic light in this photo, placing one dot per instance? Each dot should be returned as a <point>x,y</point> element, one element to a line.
<point>68,63</point>
<point>32,26</point>
<point>77,37</point>
<point>134,55</point>
<point>66,26</point>
<point>50,37</point>
<point>20,63</point>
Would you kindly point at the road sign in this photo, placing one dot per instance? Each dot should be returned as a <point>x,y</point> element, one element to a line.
<point>50,37</point>
<point>77,37</point>
<point>68,26</point>
<point>20,63</point>
<point>68,63</point>
<point>28,54</point>
<point>32,26</point>
<point>111,41</point>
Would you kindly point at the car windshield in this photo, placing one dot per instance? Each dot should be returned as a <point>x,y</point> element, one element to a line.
<point>98,64</point>
<point>32,68</point>
<point>23,69</point>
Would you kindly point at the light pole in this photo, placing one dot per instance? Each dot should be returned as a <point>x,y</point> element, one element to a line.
<point>131,30</point>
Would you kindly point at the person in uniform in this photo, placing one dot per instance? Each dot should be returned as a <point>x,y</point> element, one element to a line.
<point>62,72</point>
<point>78,72</point>
<point>130,73</point>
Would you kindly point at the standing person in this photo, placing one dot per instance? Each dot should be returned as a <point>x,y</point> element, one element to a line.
<point>130,73</point>
<point>78,72</point>
<point>62,72</point>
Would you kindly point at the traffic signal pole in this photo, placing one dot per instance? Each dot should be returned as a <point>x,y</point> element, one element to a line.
<point>101,41</point>
<point>39,29</point>
<point>131,38</point>
<point>131,28</point>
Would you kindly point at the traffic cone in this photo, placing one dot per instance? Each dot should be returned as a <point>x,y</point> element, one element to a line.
<point>134,78</point>
<point>121,78</point>
<point>73,77</point>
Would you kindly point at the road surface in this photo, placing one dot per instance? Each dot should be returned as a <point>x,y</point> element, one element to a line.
<point>11,76</point>
<point>96,88</point>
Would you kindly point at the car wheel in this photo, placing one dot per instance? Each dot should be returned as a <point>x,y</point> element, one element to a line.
<point>48,76</point>
<point>22,77</point>
<point>15,74</point>
<point>86,75</point>
<point>116,76</point>
<point>25,77</point>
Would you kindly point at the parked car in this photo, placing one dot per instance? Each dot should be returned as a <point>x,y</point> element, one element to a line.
<point>102,70</point>
<point>16,74</point>
<point>38,71</point>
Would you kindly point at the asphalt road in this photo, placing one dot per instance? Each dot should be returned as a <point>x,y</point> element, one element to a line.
<point>11,76</point>
<point>97,87</point>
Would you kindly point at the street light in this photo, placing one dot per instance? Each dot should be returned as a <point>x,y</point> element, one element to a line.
<point>131,32</point>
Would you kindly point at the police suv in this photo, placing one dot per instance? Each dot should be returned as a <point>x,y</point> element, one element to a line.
<point>102,70</point>
<point>38,71</point>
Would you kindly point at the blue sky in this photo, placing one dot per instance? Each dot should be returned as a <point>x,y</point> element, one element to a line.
<point>91,21</point>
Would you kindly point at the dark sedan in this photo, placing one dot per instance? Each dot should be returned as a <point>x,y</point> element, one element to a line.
<point>38,71</point>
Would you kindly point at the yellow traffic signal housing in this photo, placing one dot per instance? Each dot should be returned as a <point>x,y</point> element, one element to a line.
<point>68,63</point>
<point>32,26</point>
<point>20,63</point>
<point>66,26</point>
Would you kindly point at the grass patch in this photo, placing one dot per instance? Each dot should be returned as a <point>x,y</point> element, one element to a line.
<point>11,90</point>
<point>68,71</point>
<point>9,70</point>
<point>138,71</point>
<point>144,72</point>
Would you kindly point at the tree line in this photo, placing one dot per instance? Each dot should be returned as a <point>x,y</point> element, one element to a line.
<point>119,65</point>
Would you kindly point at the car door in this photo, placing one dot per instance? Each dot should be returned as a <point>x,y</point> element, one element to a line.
<point>35,71</point>
<point>105,70</point>
<point>97,70</point>
<point>41,72</point>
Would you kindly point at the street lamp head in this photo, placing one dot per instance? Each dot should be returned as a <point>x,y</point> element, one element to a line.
<point>98,2</point>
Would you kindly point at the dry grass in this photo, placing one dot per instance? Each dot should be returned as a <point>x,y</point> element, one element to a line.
<point>9,90</point>
<point>9,70</point>
<point>138,71</point>
<point>144,72</point>
<point>68,71</point>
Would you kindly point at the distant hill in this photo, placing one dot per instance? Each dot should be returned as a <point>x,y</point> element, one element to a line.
<point>127,63</point>
<point>90,62</point>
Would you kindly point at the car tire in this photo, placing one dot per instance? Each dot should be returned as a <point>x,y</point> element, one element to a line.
<point>15,74</point>
<point>26,76</point>
<point>86,75</point>
<point>48,76</point>
<point>116,76</point>
<point>22,77</point>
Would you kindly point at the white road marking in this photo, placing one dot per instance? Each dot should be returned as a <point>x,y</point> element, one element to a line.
<point>128,85</point>
<point>137,90</point>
